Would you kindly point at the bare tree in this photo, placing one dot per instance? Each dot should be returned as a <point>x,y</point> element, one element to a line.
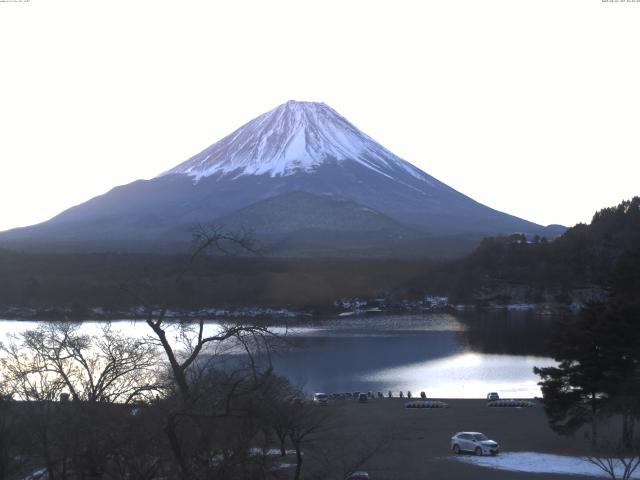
<point>40,364</point>
<point>184,355</point>
<point>307,423</point>
<point>280,416</point>
<point>211,401</point>
<point>203,393</point>
<point>191,332</point>
<point>26,376</point>
<point>213,237</point>
<point>617,453</point>
<point>97,371</point>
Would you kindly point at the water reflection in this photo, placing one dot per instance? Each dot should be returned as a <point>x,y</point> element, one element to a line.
<point>336,362</point>
<point>510,332</point>
<point>446,355</point>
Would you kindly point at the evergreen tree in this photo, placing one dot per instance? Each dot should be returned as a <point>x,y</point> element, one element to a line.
<point>577,389</point>
<point>598,375</point>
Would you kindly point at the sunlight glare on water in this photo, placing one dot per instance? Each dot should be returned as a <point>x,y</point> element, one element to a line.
<point>465,375</point>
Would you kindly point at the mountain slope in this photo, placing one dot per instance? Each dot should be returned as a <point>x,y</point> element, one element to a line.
<point>289,212</point>
<point>296,147</point>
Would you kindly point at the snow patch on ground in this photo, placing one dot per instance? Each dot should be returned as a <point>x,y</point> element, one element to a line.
<point>533,462</point>
<point>40,474</point>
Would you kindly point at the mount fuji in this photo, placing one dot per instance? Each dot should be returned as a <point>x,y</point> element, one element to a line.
<point>303,178</point>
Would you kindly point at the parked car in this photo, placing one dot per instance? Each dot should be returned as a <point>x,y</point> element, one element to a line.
<point>474,442</point>
<point>320,398</point>
<point>493,396</point>
<point>362,398</point>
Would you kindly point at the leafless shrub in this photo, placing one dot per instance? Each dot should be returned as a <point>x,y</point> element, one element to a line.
<point>619,459</point>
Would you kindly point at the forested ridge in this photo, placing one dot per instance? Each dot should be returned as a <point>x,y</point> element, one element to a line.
<point>585,256</point>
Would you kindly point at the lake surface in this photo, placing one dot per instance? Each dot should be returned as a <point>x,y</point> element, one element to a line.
<point>441,354</point>
<point>444,355</point>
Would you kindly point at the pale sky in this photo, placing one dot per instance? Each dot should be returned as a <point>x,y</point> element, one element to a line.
<point>531,107</point>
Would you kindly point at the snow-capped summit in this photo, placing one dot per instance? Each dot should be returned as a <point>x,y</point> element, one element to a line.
<point>293,137</point>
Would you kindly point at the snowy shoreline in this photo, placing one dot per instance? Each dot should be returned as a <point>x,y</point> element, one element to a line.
<point>534,462</point>
<point>340,308</point>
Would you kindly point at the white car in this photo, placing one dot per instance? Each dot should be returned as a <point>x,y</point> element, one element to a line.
<point>474,442</point>
<point>320,398</point>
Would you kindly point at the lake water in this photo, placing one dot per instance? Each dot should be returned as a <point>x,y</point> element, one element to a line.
<point>444,355</point>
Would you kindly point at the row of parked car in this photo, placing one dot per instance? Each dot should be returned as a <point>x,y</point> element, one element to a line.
<point>324,397</point>
<point>426,404</point>
<point>511,403</point>
<point>363,397</point>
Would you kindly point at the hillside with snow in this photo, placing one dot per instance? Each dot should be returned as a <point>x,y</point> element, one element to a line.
<point>295,137</point>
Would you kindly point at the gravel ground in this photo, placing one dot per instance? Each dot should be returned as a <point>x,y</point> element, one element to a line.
<point>417,441</point>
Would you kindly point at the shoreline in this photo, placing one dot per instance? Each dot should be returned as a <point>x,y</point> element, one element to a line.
<point>23,313</point>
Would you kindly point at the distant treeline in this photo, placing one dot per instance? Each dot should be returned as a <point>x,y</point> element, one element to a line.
<point>585,256</point>
<point>118,281</point>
